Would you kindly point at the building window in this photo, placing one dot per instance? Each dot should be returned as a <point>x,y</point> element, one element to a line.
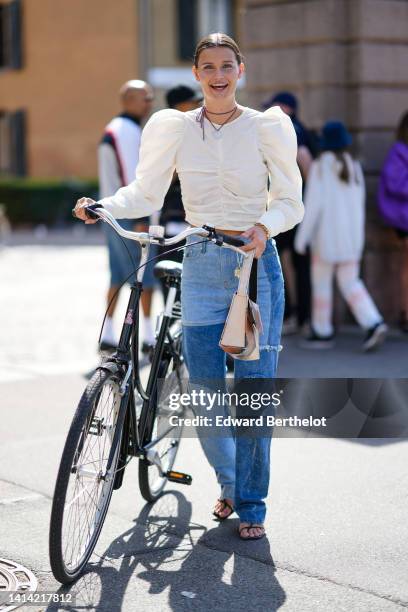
<point>215,16</point>
<point>10,35</point>
<point>197,18</point>
<point>187,28</point>
<point>12,143</point>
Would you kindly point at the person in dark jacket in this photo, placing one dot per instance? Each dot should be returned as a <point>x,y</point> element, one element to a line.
<point>296,319</point>
<point>172,217</point>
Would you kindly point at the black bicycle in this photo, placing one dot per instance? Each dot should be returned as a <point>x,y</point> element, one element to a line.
<point>117,418</point>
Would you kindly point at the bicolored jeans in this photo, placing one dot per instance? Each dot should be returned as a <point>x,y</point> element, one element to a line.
<point>241,462</point>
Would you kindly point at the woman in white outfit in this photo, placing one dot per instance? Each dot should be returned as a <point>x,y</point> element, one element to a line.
<point>333,226</point>
<point>223,154</point>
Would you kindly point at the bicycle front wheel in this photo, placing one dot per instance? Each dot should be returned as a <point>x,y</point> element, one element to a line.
<point>86,476</point>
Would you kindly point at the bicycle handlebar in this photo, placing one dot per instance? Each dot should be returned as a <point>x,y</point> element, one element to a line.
<point>232,240</point>
<point>95,211</point>
<point>90,211</point>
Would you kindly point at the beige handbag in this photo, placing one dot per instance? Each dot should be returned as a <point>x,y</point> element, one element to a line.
<point>240,336</point>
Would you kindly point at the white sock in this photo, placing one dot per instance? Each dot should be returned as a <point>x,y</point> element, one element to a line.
<point>148,334</point>
<point>108,331</point>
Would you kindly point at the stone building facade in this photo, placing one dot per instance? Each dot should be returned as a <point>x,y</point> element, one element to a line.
<point>344,59</point>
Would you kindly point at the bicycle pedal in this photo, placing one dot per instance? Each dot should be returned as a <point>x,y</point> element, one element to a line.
<point>179,477</point>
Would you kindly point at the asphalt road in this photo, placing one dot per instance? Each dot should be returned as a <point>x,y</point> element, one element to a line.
<point>336,522</point>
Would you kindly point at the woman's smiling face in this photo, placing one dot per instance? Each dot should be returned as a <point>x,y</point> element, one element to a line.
<point>218,72</point>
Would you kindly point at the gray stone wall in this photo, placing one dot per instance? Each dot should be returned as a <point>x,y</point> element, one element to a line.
<point>344,59</point>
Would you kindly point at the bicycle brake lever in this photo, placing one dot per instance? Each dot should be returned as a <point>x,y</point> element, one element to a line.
<point>89,211</point>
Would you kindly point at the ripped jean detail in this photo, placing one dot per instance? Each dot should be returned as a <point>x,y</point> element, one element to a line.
<point>241,463</point>
<point>271,347</point>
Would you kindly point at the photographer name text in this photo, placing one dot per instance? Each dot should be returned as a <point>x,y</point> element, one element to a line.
<point>259,421</point>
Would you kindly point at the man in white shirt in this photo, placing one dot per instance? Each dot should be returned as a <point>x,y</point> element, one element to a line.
<point>118,157</point>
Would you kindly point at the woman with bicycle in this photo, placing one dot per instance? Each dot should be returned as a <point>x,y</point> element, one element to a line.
<point>223,154</point>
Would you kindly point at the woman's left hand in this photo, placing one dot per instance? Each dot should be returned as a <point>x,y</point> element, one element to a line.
<point>258,239</point>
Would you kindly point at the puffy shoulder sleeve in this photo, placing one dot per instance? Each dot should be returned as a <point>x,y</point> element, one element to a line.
<point>278,143</point>
<point>160,141</point>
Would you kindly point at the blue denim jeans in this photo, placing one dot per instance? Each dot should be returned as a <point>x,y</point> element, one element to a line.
<point>241,463</point>
<point>123,259</point>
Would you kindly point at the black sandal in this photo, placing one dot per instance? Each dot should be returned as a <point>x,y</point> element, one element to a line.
<point>248,527</point>
<point>221,517</point>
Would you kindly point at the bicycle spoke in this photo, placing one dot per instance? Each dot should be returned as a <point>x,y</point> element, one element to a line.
<point>76,497</point>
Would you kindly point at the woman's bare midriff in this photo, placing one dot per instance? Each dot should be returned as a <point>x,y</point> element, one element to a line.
<point>226,231</point>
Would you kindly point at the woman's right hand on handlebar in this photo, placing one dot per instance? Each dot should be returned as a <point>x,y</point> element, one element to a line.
<point>80,211</point>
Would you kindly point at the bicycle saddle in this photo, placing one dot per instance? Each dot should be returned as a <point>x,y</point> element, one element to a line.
<point>167,268</point>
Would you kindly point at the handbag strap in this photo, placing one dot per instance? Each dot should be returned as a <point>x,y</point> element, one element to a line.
<point>253,281</point>
<point>248,278</point>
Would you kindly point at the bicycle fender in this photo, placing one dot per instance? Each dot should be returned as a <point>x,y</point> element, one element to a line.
<point>111,367</point>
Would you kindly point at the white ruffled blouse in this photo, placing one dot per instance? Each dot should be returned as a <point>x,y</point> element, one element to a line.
<point>224,178</point>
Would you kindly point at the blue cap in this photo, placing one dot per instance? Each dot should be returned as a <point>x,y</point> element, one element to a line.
<point>283,97</point>
<point>335,136</point>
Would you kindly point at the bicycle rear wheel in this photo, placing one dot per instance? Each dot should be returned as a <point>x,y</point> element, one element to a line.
<point>158,438</point>
<point>86,476</point>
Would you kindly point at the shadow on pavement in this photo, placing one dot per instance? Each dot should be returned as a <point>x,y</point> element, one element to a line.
<point>198,569</point>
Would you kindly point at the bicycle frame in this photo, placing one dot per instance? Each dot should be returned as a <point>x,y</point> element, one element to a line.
<point>92,467</point>
<point>126,356</point>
